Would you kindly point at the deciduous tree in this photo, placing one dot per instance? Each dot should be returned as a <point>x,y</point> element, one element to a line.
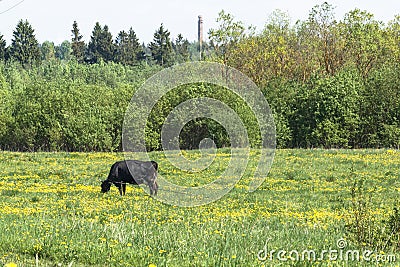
<point>64,50</point>
<point>226,36</point>
<point>364,40</point>
<point>47,50</point>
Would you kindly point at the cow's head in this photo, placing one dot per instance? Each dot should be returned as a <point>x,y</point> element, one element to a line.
<point>105,186</point>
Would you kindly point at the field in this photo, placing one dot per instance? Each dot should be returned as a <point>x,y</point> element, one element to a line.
<point>53,214</point>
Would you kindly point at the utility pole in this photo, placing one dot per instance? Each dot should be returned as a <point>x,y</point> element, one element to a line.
<point>200,35</point>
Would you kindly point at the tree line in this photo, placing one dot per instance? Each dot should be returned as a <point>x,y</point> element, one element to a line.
<point>125,48</point>
<point>330,83</point>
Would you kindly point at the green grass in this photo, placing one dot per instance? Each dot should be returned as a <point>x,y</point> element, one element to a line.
<point>51,208</point>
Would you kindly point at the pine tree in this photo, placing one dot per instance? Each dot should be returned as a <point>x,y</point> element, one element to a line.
<point>78,46</point>
<point>24,46</point>
<point>146,53</point>
<point>161,47</point>
<point>181,48</point>
<point>127,48</point>
<point>136,48</point>
<point>2,48</point>
<point>121,48</point>
<point>101,45</point>
<point>106,48</point>
<point>92,51</point>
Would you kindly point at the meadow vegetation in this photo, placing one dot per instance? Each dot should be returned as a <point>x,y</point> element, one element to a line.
<point>51,208</point>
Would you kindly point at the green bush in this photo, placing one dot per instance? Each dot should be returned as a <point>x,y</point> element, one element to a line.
<point>70,106</point>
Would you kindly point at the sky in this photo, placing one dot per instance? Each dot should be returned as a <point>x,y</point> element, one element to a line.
<point>53,19</point>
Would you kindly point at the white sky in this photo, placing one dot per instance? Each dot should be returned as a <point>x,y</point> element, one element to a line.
<point>52,19</point>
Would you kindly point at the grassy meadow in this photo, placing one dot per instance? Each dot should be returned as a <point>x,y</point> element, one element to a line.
<point>53,214</point>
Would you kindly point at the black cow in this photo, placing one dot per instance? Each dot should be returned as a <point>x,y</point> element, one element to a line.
<point>139,172</point>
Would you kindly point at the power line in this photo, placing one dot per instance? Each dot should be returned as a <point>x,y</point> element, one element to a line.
<point>2,12</point>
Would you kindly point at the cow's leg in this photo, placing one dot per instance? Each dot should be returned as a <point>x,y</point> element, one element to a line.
<point>151,186</point>
<point>124,188</point>
<point>119,188</point>
<point>151,190</point>
<point>155,188</point>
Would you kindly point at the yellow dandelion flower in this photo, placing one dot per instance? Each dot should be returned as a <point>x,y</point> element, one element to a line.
<point>152,265</point>
<point>391,151</point>
<point>11,264</point>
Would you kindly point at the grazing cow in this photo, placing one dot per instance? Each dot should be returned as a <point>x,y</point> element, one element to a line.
<point>132,172</point>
